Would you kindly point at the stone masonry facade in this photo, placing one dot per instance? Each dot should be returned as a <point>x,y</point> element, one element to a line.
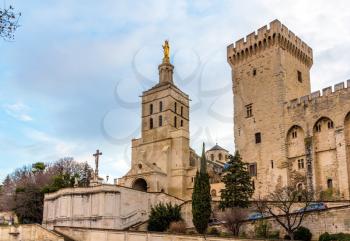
<point>282,129</point>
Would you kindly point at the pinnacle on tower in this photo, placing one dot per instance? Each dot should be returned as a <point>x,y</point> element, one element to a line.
<point>165,68</point>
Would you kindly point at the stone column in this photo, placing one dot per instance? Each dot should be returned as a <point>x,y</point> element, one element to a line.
<point>310,166</point>
<point>343,178</point>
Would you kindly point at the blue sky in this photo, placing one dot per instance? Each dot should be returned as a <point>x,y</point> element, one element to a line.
<point>71,80</point>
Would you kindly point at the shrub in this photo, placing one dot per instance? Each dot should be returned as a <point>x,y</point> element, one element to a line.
<point>303,234</point>
<point>213,231</point>
<point>162,215</point>
<point>324,237</point>
<point>334,237</point>
<point>177,227</point>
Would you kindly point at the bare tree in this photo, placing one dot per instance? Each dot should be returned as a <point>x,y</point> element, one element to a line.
<point>287,206</point>
<point>233,218</point>
<point>8,22</point>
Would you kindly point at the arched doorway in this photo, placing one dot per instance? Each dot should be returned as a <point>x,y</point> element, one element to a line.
<point>140,184</point>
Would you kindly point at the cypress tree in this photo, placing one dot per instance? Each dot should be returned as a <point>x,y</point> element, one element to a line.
<point>238,185</point>
<point>201,199</point>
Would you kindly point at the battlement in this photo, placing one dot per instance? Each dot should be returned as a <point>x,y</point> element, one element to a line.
<point>317,95</point>
<point>266,36</point>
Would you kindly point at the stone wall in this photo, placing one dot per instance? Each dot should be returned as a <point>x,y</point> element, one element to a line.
<point>80,234</point>
<point>333,220</point>
<point>104,206</point>
<point>30,232</point>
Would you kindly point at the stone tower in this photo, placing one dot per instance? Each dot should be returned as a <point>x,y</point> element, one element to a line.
<point>161,157</point>
<point>269,68</point>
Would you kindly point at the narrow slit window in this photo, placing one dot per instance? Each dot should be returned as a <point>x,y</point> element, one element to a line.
<point>151,109</point>
<point>258,138</point>
<point>175,122</point>
<point>160,120</point>
<point>151,123</point>
<point>300,77</point>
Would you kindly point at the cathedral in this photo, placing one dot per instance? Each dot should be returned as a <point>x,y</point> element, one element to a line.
<point>288,135</point>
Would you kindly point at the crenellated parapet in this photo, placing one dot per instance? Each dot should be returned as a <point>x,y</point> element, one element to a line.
<point>319,96</point>
<point>270,35</point>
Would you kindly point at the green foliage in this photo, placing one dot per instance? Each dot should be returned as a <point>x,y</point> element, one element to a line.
<point>238,185</point>
<point>329,195</point>
<point>60,181</point>
<point>23,190</point>
<point>303,234</point>
<point>213,231</point>
<point>38,167</point>
<point>334,237</point>
<point>29,204</point>
<point>162,215</point>
<point>262,229</point>
<point>201,198</point>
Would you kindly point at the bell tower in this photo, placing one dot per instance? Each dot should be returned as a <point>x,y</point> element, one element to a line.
<point>161,157</point>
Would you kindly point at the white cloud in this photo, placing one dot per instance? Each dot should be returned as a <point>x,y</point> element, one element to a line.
<point>18,111</point>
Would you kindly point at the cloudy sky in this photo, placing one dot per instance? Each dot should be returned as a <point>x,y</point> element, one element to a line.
<point>71,80</point>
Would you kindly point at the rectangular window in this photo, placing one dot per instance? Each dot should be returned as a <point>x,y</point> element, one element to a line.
<point>258,138</point>
<point>252,169</point>
<point>151,109</point>
<point>249,110</point>
<point>301,164</point>
<point>272,164</point>
<point>160,106</point>
<point>181,123</point>
<point>300,77</point>
<point>175,107</point>
<point>181,110</point>
<point>329,183</point>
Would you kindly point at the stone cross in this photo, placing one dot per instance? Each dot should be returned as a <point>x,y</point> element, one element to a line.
<point>97,156</point>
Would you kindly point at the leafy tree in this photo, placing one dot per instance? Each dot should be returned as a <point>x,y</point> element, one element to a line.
<point>238,185</point>
<point>23,190</point>
<point>8,22</point>
<point>162,215</point>
<point>29,204</point>
<point>38,167</point>
<point>287,206</point>
<point>201,198</point>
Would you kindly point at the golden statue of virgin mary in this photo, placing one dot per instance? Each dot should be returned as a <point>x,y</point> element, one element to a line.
<point>166,51</point>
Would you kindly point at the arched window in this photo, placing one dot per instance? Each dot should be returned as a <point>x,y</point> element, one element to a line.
<point>181,123</point>
<point>181,110</point>
<point>175,122</point>
<point>300,186</point>
<point>160,106</point>
<point>213,193</point>
<point>151,109</point>
<point>220,156</point>
<point>160,120</point>
<point>175,107</point>
<point>151,123</point>
<point>212,157</point>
